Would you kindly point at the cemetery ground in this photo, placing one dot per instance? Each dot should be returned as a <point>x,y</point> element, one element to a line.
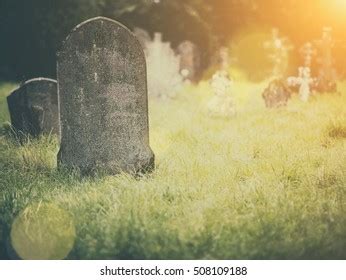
<point>265,184</point>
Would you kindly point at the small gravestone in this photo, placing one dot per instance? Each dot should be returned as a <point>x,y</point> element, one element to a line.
<point>34,109</point>
<point>102,87</point>
<point>222,104</point>
<point>221,59</point>
<point>304,82</point>
<point>276,94</point>
<point>190,61</point>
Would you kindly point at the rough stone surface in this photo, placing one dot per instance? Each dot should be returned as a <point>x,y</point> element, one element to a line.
<point>102,87</point>
<point>34,108</point>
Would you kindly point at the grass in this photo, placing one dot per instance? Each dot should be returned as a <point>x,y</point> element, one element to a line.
<point>265,184</point>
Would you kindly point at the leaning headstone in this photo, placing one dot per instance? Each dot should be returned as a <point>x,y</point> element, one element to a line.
<point>102,87</point>
<point>34,109</point>
<point>276,94</point>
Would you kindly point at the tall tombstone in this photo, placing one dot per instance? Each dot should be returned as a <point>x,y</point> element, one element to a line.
<point>102,87</point>
<point>34,109</point>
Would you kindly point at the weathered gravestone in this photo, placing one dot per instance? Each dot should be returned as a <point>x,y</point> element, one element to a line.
<point>34,108</point>
<point>276,94</point>
<point>103,100</point>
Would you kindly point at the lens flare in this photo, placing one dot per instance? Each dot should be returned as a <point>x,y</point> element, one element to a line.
<point>43,231</point>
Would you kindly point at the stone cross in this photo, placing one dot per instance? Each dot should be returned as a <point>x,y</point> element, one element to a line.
<point>102,86</point>
<point>33,108</point>
<point>279,49</point>
<point>303,81</point>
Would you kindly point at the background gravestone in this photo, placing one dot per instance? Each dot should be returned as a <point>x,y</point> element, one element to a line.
<point>34,108</point>
<point>277,94</point>
<point>190,62</point>
<point>102,88</point>
<point>164,79</point>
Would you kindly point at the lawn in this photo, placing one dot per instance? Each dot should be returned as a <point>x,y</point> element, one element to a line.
<point>265,184</point>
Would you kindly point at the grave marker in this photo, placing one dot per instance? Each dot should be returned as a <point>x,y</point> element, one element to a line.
<point>34,108</point>
<point>102,87</point>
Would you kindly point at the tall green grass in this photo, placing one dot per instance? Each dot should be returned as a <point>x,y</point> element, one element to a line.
<point>266,184</point>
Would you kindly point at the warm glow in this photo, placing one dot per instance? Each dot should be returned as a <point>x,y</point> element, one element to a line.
<point>43,231</point>
<point>341,3</point>
<point>336,10</point>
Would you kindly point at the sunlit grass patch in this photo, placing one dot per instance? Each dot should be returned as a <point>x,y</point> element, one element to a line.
<point>262,184</point>
<point>5,90</point>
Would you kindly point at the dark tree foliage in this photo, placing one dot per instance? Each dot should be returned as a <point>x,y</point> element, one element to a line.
<point>32,30</point>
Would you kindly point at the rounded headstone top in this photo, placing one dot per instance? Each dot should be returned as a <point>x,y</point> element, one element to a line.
<point>40,79</point>
<point>95,20</point>
<point>32,81</point>
<point>103,98</point>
